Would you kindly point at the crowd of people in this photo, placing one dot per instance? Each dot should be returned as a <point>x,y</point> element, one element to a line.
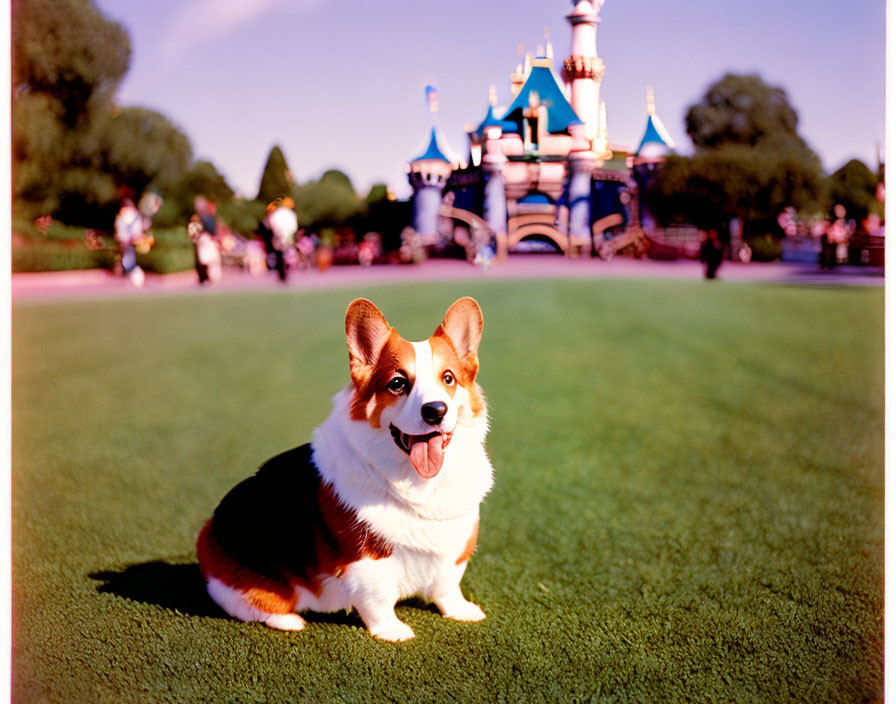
<point>835,239</point>
<point>831,236</point>
<point>280,246</point>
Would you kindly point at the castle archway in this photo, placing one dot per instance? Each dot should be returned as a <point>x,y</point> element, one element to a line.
<point>542,244</point>
<point>536,230</point>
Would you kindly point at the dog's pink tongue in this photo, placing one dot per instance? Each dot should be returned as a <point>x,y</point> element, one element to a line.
<point>427,455</point>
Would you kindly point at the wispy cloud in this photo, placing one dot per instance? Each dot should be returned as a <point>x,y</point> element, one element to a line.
<point>200,21</point>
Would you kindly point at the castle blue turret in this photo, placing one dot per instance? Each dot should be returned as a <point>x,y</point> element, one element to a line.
<point>428,174</point>
<point>655,147</point>
<point>494,198</point>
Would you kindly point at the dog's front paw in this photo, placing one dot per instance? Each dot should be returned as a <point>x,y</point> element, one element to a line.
<point>394,633</point>
<point>285,622</point>
<point>454,606</point>
<point>467,611</point>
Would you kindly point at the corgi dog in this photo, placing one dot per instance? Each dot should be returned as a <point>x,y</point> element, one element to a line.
<point>382,505</point>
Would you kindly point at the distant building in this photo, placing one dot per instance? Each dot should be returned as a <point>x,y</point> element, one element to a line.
<point>541,172</point>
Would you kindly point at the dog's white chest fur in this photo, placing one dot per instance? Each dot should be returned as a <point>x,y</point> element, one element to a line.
<point>428,522</point>
<point>374,478</point>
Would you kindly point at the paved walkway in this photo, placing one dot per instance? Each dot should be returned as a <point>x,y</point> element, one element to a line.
<point>100,283</point>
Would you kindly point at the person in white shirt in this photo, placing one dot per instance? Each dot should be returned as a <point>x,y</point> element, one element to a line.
<point>281,220</point>
<point>128,230</point>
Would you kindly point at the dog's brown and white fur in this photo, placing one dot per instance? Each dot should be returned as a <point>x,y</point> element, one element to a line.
<point>383,505</point>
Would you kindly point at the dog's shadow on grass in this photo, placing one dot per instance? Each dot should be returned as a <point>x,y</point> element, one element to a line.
<point>181,588</point>
<point>177,587</point>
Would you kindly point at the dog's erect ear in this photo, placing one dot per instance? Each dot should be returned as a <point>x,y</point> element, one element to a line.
<point>366,331</point>
<point>463,326</point>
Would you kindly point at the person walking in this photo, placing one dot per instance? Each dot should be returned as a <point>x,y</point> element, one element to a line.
<point>128,231</point>
<point>281,220</point>
<point>711,253</point>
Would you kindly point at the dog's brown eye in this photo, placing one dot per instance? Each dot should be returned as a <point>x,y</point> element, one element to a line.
<point>397,385</point>
<point>448,378</point>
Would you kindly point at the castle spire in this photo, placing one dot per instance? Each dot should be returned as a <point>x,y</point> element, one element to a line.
<point>657,142</point>
<point>583,70</point>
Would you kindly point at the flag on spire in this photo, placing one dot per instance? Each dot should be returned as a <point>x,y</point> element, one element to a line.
<point>432,98</point>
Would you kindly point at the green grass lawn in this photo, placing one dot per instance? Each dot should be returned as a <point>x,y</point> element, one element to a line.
<point>688,505</point>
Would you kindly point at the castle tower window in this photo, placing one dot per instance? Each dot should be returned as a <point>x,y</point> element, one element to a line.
<point>530,116</point>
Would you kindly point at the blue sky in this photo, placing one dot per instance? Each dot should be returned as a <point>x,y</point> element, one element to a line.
<point>341,84</point>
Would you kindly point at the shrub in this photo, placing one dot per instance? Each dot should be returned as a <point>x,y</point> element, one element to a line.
<point>59,255</point>
<point>167,260</point>
<point>63,248</point>
<point>172,252</point>
<point>766,248</point>
<point>24,228</point>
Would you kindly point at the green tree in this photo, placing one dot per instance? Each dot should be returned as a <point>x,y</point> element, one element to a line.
<point>378,192</point>
<point>242,215</point>
<point>337,178</point>
<point>67,60</point>
<point>276,179</point>
<point>72,148</point>
<point>740,110</point>
<point>67,51</point>
<point>853,186</point>
<point>201,179</point>
<point>141,146</point>
<point>735,180</point>
<point>328,202</point>
<point>749,161</point>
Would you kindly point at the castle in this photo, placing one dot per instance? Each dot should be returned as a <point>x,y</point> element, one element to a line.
<point>541,171</point>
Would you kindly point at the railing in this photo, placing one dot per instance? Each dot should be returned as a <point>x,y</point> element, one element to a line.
<point>674,243</point>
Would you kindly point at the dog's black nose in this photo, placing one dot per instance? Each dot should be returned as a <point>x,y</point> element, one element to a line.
<point>433,412</point>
